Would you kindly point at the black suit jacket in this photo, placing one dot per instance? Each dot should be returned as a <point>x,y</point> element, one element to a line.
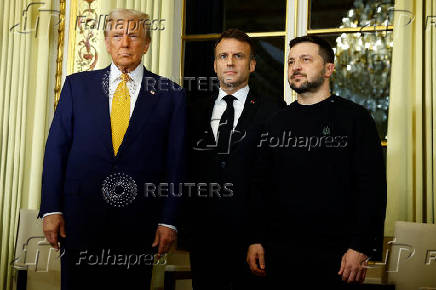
<point>222,209</point>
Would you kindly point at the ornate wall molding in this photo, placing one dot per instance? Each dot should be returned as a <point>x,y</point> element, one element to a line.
<point>60,57</point>
<point>85,23</point>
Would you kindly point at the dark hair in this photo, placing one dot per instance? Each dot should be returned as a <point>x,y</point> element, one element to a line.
<point>239,35</point>
<point>325,50</point>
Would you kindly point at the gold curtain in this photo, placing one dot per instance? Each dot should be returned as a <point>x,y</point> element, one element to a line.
<point>27,70</point>
<point>412,115</point>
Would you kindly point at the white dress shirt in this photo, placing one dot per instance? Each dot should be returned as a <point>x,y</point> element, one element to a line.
<point>134,86</point>
<point>221,105</point>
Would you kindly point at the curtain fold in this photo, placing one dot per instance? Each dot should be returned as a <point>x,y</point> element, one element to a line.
<point>26,94</point>
<point>411,124</point>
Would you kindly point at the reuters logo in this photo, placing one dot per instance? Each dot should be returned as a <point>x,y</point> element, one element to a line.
<point>119,190</point>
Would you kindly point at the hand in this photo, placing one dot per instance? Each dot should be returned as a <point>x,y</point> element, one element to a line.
<point>53,226</point>
<point>353,266</point>
<point>256,259</point>
<point>164,238</point>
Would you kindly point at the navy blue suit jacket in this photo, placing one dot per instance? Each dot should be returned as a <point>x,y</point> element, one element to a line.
<point>79,162</point>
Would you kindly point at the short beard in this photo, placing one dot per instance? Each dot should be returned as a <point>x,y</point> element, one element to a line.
<point>231,85</point>
<point>309,86</point>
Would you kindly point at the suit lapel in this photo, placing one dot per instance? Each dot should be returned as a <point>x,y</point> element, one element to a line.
<point>200,120</point>
<point>251,106</point>
<point>147,99</point>
<point>209,110</point>
<point>102,109</point>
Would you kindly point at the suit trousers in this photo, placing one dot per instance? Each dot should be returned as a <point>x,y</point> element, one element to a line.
<point>300,267</point>
<point>105,269</point>
<point>222,266</point>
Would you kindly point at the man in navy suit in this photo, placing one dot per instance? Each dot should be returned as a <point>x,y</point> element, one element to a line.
<point>114,131</point>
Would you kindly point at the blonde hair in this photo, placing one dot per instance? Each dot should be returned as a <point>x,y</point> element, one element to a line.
<point>129,15</point>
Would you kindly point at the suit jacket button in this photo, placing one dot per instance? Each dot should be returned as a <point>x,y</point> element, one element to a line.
<point>223,164</point>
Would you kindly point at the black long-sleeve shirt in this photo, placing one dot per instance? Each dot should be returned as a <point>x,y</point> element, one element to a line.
<point>321,177</point>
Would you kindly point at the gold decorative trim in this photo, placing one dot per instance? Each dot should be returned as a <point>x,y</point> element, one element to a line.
<point>293,93</point>
<point>86,54</point>
<point>60,57</point>
<point>295,18</point>
<point>267,34</point>
<point>309,4</point>
<point>182,44</point>
<point>285,61</point>
<point>72,36</point>
<point>350,29</point>
<point>82,54</point>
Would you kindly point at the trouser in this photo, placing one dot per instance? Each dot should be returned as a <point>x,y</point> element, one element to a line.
<point>300,267</point>
<point>106,269</point>
<point>222,267</point>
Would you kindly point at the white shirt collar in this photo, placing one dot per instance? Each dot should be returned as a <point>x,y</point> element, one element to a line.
<point>240,94</point>
<point>136,74</point>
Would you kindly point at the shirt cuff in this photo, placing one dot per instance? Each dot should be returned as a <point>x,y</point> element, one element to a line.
<point>50,213</point>
<point>169,226</point>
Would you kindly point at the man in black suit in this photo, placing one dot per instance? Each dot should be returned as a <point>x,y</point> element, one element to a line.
<point>224,131</point>
<point>321,181</point>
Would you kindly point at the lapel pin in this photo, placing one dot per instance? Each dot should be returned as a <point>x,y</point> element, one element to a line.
<point>152,92</point>
<point>252,101</point>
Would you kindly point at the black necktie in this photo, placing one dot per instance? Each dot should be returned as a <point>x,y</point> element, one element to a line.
<point>226,126</point>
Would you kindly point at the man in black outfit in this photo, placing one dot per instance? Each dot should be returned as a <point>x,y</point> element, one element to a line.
<point>320,183</point>
<point>224,131</point>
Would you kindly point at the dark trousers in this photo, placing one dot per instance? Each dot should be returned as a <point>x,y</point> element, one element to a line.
<point>95,269</point>
<point>222,267</point>
<point>301,267</point>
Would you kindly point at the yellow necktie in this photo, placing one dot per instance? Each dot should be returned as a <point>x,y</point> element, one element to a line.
<point>120,113</point>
